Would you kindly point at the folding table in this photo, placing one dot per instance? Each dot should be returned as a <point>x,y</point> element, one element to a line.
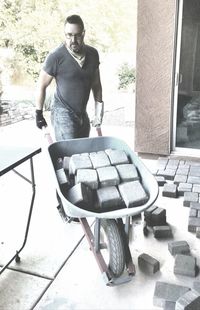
<point>10,158</point>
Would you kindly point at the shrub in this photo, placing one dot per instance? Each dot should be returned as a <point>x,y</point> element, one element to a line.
<point>126,75</point>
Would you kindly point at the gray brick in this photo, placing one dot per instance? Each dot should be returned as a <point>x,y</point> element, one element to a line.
<point>61,176</point>
<point>189,301</point>
<point>172,163</point>
<point>178,247</point>
<point>198,232</point>
<point>117,156</point>
<point>193,180</point>
<point>167,292</point>
<point>66,161</point>
<point>195,173</point>
<point>148,211</point>
<point>184,164</point>
<point>193,212</point>
<point>108,176</point>
<point>63,180</point>
<point>160,179</point>
<point>133,193</point>
<point>169,174</point>
<point>170,190</point>
<point>181,162</point>
<point>196,286</point>
<point>79,161</point>
<point>81,196</point>
<point>169,305</point>
<point>109,198</point>
<point>148,215</point>
<point>99,159</point>
<point>193,223</point>
<point>148,263</point>
<point>185,265</point>
<point>190,197</point>
<point>182,171</point>
<point>195,205</point>
<point>162,162</point>
<point>88,177</point>
<point>193,163</point>
<point>163,231</point>
<point>194,168</point>
<point>158,217</point>
<point>184,187</point>
<point>180,179</point>
<point>196,188</point>
<point>127,172</point>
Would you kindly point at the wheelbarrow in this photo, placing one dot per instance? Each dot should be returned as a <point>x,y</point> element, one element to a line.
<point>111,229</point>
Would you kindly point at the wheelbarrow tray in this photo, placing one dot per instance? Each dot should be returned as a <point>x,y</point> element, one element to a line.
<point>88,145</point>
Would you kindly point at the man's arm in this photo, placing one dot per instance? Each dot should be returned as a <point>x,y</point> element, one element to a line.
<point>96,87</point>
<point>99,104</point>
<point>43,82</point>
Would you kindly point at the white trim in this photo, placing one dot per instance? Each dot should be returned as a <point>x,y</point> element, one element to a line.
<point>177,77</point>
<point>186,152</point>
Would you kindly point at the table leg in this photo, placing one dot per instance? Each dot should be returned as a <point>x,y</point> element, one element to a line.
<point>32,182</point>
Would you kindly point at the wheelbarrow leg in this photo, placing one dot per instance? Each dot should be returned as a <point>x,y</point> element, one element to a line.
<point>96,251</point>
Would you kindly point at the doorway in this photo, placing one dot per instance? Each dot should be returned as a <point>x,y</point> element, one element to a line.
<point>187,120</point>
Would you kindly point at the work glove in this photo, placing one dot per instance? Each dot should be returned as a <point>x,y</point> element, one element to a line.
<point>40,120</point>
<point>99,111</point>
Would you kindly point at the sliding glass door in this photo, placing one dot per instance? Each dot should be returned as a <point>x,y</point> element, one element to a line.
<point>187,89</point>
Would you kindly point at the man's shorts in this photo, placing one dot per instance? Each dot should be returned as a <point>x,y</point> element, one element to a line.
<point>69,125</point>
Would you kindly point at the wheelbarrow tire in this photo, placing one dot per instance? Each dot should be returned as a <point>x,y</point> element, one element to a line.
<point>115,246</point>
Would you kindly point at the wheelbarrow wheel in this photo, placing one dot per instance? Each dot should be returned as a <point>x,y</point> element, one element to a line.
<point>112,244</point>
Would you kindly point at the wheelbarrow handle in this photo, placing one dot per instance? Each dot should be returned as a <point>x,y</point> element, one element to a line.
<point>49,139</point>
<point>99,132</point>
<point>47,134</point>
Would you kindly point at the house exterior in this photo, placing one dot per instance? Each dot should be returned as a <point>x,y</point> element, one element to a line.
<point>168,77</point>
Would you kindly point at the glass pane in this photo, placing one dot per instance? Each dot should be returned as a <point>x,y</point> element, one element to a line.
<point>188,108</point>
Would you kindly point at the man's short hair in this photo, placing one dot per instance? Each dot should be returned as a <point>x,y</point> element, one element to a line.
<point>75,19</point>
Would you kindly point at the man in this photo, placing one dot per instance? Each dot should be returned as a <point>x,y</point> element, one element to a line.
<point>75,68</point>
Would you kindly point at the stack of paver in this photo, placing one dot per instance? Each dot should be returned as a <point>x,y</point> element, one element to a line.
<point>101,181</point>
<point>155,218</point>
<point>181,178</point>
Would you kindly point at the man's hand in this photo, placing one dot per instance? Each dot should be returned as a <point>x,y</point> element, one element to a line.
<point>40,120</point>
<point>99,111</point>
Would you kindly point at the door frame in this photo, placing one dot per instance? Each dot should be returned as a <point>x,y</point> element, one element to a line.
<point>178,151</point>
<point>176,74</point>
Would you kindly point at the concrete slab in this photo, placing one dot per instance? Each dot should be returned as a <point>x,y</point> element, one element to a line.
<point>20,291</point>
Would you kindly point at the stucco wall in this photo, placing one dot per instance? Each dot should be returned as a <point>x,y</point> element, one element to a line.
<point>154,68</point>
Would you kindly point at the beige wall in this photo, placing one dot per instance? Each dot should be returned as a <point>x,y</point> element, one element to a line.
<point>155,49</point>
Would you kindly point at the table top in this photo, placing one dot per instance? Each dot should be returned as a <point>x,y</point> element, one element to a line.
<point>13,156</point>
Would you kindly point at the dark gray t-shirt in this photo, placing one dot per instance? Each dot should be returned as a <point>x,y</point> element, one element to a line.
<point>73,83</point>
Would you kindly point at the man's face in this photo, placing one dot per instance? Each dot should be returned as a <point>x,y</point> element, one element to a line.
<point>74,37</point>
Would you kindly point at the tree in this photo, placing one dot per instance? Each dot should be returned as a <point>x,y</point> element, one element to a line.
<point>33,27</point>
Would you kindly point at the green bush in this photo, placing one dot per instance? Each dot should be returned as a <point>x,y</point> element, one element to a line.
<point>126,75</point>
